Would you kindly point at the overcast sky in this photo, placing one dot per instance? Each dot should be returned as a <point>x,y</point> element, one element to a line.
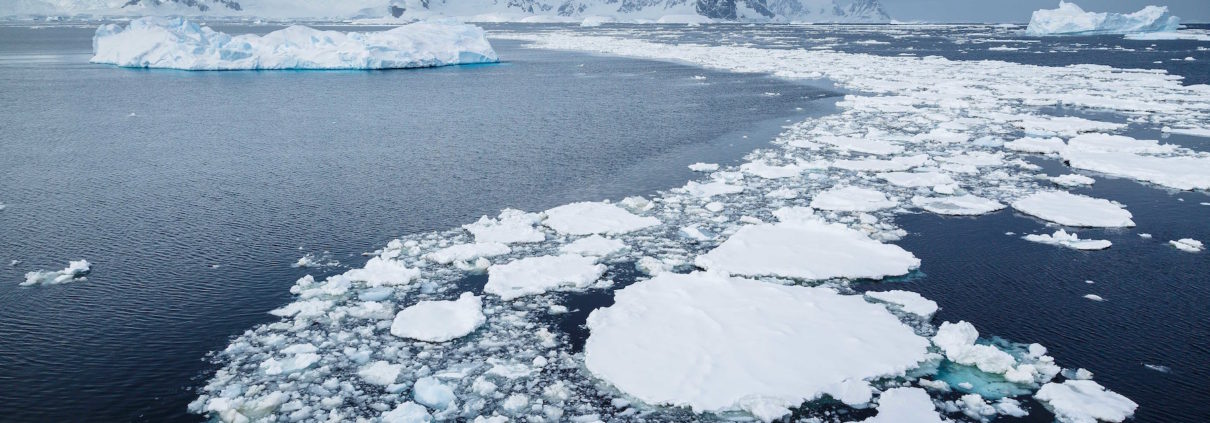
<point>1019,10</point>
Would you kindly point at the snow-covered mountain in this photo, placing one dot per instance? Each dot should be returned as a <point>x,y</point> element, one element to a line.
<point>625,10</point>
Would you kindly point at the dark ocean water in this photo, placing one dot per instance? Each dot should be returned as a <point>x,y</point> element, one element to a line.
<point>192,193</point>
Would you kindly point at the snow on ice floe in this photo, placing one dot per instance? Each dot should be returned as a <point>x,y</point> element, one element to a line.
<point>440,321</point>
<point>1188,245</point>
<point>75,271</point>
<point>176,43</point>
<point>1084,401</point>
<point>1070,209</point>
<point>715,333</point>
<point>1070,19</point>
<point>512,226</point>
<point>852,198</point>
<point>908,301</point>
<point>595,245</point>
<point>905,405</point>
<point>535,275</point>
<point>467,252</point>
<point>808,250</point>
<point>1070,240</point>
<point>588,218</point>
<point>960,205</point>
<point>1144,160</point>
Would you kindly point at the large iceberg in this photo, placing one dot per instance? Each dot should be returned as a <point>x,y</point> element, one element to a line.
<point>176,43</point>
<point>1070,19</point>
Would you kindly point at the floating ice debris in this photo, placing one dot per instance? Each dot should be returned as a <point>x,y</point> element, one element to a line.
<point>973,406</point>
<point>440,321</point>
<point>75,271</point>
<point>878,165</point>
<point>432,393</point>
<point>1188,245</point>
<point>156,42</point>
<point>808,250</point>
<point>594,245</point>
<point>957,340</point>
<point>1070,19</point>
<point>536,275</point>
<point>905,405</point>
<point>1094,297</point>
<point>1065,126</point>
<point>916,179</point>
<point>408,412</point>
<point>852,199</point>
<point>709,332</point>
<point>1070,209</point>
<point>1193,132</point>
<point>1072,180</point>
<point>1145,236</point>
<point>14,263</point>
<point>380,271</point>
<point>961,205</point>
<point>1105,143</point>
<point>588,218</point>
<point>707,191</point>
<point>703,167</point>
<point>1084,401</point>
<point>767,171</point>
<point>1173,35</point>
<point>380,373</point>
<point>861,145</point>
<point>307,260</point>
<point>1069,240</point>
<point>908,301</point>
<point>512,226</point>
<point>467,252</point>
<point>1179,172</point>
<point>1158,368</point>
<point>1037,145</point>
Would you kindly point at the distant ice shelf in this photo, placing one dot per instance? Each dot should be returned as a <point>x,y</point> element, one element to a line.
<point>1070,19</point>
<point>176,43</point>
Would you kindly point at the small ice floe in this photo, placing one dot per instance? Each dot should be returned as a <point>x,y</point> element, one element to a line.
<point>440,321</point>
<point>1094,297</point>
<point>707,317</point>
<point>536,275</point>
<point>807,250</point>
<point>878,165</point>
<point>512,226</point>
<point>1084,401</point>
<point>1072,180</point>
<point>407,412</point>
<point>1158,368</point>
<point>379,271</point>
<point>908,301</point>
<point>587,218</point>
<point>1145,235</point>
<point>708,190</point>
<point>1188,245</point>
<point>961,205</point>
<point>1070,209</point>
<point>75,271</point>
<point>767,171</point>
<point>1064,126</point>
<point>381,373</point>
<point>916,179</point>
<point>703,167</point>
<point>14,263</point>
<point>861,145</point>
<point>467,252</point>
<point>1144,160</point>
<point>311,260</point>
<point>905,405</point>
<point>1037,145</point>
<point>851,198</point>
<point>1069,240</point>
<point>595,245</point>
<point>698,78</point>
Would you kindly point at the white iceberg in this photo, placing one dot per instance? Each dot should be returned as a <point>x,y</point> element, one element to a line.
<point>1070,209</point>
<point>1084,401</point>
<point>536,275</point>
<point>75,271</point>
<point>1070,240</point>
<point>807,250</point>
<point>440,321</point>
<point>1070,19</point>
<point>176,43</point>
<point>743,344</point>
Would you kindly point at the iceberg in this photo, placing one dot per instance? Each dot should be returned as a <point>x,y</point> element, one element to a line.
<point>1070,19</point>
<point>176,43</point>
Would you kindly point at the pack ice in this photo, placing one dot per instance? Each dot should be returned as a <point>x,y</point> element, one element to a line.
<point>176,43</point>
<point>1070,19</point>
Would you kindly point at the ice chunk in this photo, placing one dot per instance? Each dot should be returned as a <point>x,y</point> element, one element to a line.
<point>1188,245</point>
<point>703,167</point>
<point>467,252</point>
<point>1069,240</point>
<point>156,42</point>
<point>957,340</point>
<point>768,171</point>
<point>380,373</point>
<point>1084,401</point>
<point>512,226</point>
<point>1117,144</point>
<point>535,275</point>
<point>715,333</point>
<point>905,405</point>
<point>1072,180</point>
<point>1070,19</point>
<point>1037,145</point>
<point>588,218</point>
<point>852,199</point>
<point>962,205</point>
<point>1065,126</point>
<point>595,245</point>
<point>440,321</point>
<point>1094,297</point>
<point>809,250</point>
<point>432,393</point>
<point>1179,172</point>
<point>408,412</point>
<point>380,271</point>
<point>862,145</point>
<point>1070,209</point>
<point>711,189</point>
<point>877,165</point>
<point>916,179</point>
<point>75,271</point>
<point>909,301</point>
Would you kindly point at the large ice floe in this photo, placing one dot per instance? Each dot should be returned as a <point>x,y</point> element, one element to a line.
<point>1070,19</point>
<point>736,299</point>
<point>176,43</point>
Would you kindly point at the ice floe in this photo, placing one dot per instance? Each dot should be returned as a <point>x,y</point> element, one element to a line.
<point>440,321</point>
<point>75,271</point>
<point>905,405</point>
<point>535,275</point>
<point>512,226</point>
<point>908,301</point>
<point>1070,209</point>
<point>156,42</point>
<point>960,205</point>
<point>595,218</point>
<point>1069,240</point>
<point>712,328</point>
<point>1070,19</point>
<point>851,198</point>
<point>467,252</point>
<point>1085,401</point>
<point>594,245</point>
<point>1188,245</point>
